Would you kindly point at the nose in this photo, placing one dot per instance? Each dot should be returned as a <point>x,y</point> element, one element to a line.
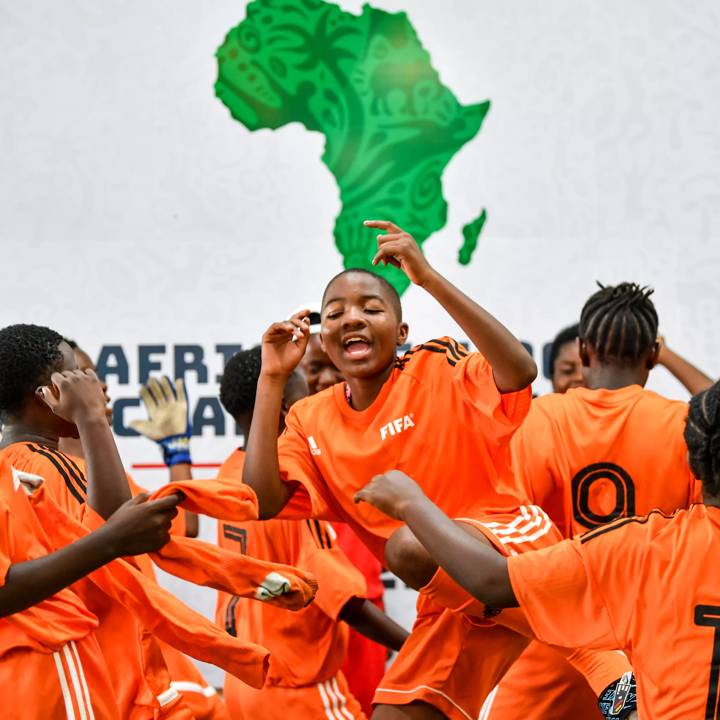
<point>353,317</point>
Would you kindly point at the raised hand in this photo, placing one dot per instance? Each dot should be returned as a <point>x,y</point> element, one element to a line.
<point>141,525</point>
<point>75,395</point>
<point>283,345</point>
<point>166,405</point>
<point>168,423</point>
<point>390,493</point>
<point>398,248</point>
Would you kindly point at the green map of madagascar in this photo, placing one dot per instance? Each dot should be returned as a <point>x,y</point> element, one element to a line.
<point>367,84</point>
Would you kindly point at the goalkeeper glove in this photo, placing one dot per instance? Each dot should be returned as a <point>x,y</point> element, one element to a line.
<point>168,423</point>
<point>619,699</point>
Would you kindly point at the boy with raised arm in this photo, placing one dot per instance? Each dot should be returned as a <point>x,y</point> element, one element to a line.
<point>47,633</point>
<point>438,408</point>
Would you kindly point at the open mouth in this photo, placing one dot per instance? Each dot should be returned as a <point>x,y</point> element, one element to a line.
<point>356,347</point>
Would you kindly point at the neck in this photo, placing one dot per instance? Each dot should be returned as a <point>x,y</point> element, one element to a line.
<point>71,446</point>
<point>21,432</point>
<point>711,500</point>
<point>612,377</point>
<point>363,391</point>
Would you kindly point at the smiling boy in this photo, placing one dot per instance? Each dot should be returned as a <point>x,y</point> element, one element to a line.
<point>438,408</point>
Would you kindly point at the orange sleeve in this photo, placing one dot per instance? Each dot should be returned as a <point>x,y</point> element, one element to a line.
<point>310,499</point>
<point>506,410</point>
<point>580,592</point>
<point>560,599</point>
<point>338,579</point>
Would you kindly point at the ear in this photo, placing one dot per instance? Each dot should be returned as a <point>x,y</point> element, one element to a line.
<point>653,355</point>
<point>402,333</point>
<point>584,353</point>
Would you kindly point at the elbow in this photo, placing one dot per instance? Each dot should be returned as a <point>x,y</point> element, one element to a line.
<point>527,372</point>
<point>521,377</point>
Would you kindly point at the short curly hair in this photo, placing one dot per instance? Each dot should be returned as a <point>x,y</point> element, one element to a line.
<point>239,382</point>
<point>29,354</point>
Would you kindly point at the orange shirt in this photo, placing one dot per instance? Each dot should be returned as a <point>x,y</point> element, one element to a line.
<point>589,457</point>
<point>308,646</point>
<point>439,417</point>
<point>60,618</point>
<point>649,586</point>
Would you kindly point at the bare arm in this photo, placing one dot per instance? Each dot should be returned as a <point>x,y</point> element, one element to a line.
<point>262,469</point>
<point>473,564</point>
<point>137,527</point>
<point>373,623</point>
<point>283,346</point>
<point>513,368</point>
<point>78,397</point>
<point>694,379</point>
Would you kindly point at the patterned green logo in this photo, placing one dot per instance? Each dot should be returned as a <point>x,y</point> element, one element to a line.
<point>367,84</point>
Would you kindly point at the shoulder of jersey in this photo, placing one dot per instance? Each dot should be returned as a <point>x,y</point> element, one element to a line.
<point>312,401</point>
<point>648,525</point>
<point>445,349</point>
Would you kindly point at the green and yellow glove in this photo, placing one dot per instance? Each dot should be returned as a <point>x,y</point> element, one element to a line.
<point>168,422</point>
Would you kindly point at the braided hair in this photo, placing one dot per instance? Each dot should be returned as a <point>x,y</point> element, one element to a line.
<point>620,323</point>
<point>702,436</point>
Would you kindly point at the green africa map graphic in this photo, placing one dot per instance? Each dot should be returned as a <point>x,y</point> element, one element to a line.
<point>367,84</point>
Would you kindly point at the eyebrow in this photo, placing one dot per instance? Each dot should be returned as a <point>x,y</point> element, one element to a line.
<point>370,296</point>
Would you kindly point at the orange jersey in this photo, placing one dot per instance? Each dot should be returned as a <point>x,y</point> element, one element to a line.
<point>308,646</point>
<point>59,619</point>
<point>589,457</point>
<point>439,417</point>
<point>649,586</point>
<point>120,586</point>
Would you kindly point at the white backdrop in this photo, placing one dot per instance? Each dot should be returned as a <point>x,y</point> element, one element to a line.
<point>135,211</point>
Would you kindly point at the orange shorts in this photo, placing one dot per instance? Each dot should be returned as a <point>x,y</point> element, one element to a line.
<point>200,698</point>
<point>542,684</point>
<point>328,700</point>
<point>456,653</point>
<point>70,683</point>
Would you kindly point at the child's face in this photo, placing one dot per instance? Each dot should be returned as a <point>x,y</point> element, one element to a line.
<point>360,328</point>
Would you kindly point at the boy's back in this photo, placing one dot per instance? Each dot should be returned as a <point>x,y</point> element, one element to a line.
<point>663,610</point>
<point>589,457</point>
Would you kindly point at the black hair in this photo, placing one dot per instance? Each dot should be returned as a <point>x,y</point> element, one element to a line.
<point>620,322</point>
<point>394,297</point>
<point>239,382</point>
<point>565,336</point>
<point>29,354</point>
<point>702,437</point>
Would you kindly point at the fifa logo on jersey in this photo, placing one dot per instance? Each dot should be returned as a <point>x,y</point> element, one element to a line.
<point>314,449</point>
<point>397,426</point>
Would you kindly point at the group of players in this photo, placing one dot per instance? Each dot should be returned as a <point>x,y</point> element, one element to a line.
<point>543,535</point>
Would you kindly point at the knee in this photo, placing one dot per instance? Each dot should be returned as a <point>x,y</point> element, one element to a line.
<point>408,559</point>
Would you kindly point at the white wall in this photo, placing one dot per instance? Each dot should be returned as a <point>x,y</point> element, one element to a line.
<point>133,210</point>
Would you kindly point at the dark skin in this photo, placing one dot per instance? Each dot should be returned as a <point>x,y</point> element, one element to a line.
<point>72,446</point>
<point>361,330</point>
<point>137,526</point>
<point>320,371</point>
<point>613,376</point>
<point>359,613</point>
<point>567,370</point>
<point>36,422</point>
